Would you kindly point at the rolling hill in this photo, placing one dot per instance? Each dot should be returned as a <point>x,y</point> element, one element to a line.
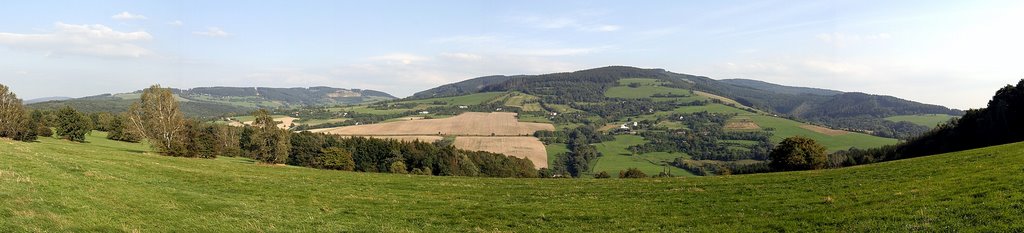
<point>660,112</point>
<point>207,102</point>
<point>845,110</point>
<point>55,185</point>
<point>762,85</point>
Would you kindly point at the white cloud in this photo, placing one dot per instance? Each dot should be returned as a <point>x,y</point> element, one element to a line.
<point>128,16</point>
<point>176,23</point>
<point>212,32</point>
<point>70,39</point>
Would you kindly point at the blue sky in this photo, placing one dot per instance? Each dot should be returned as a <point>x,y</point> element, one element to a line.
<point>953,53</point>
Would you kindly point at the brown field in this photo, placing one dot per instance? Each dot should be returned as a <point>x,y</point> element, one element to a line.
<point>823,130</point>
<point>467,124</point>
<point>408,138</point>
<point>286,122</point>
<point>521,147</point>
<point>741,124</point>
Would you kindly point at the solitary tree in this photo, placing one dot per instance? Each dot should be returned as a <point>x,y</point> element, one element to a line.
<point>72,125</point>
<point>157,117</point>
<point>798,153</point>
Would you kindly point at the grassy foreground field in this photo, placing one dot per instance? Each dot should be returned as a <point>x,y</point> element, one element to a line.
<point>102,185</point>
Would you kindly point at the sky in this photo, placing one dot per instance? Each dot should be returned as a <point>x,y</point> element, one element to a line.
<point>951,53</point>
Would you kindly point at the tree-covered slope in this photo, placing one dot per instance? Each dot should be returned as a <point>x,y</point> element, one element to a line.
<point>54,185</point>
<point>761,85</point>
<point>216,101</point>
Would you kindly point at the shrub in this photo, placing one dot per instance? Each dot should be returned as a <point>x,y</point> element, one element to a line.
<point>632,173</point>
<point>602,175</point>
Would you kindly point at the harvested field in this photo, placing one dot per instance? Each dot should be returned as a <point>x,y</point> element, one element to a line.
<point>468,124</point>
<point>823,130</point>
<point>521,147</point>
<point>408,138</point>
<point>741,124</point>
<point>286,122</point>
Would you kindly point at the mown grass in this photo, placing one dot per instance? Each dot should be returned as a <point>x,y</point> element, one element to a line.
<point>617,157</point>
<point>927,120</point>
<point>784,128</point>
<point>109,186</point>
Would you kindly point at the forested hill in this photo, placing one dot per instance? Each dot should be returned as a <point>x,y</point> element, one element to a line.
<point>843,110</point>
<point>216,101</point>
<point>762,85</point>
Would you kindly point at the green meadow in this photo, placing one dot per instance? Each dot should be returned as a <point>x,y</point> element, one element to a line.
<point>108,186</point>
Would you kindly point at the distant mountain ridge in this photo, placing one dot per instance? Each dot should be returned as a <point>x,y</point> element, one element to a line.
<point>762,85</point>
<point>836,109</point>
<point>44,99</point>
<point>216,101</point>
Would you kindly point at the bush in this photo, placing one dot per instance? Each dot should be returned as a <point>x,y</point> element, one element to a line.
<point>398,167</point>
<point>632,173</point>
<point>602,175</point>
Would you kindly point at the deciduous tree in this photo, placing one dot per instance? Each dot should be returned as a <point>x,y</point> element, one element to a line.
<point>798,153</point>
<point>157,117</point>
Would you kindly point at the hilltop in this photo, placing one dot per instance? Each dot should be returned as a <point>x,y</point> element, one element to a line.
<point>218,101</point>
<point>55,185</point>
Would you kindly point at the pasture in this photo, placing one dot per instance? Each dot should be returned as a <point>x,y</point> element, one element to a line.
<point>927,120</point>
<point>615,157</point>
<point>107,186</point>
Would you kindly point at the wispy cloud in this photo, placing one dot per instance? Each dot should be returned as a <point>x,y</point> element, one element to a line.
<point>71,39</point>
<point>564,23</point>
<point>128,16</point>
<point>212,32</point>
<point>176,23</point>
<point>399,58</point>
<point>842,39</point>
